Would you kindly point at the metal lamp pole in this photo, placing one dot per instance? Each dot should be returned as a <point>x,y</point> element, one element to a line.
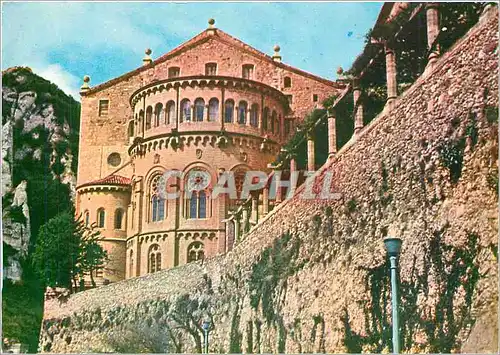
<point>206,326</point>
<point>393,247</point>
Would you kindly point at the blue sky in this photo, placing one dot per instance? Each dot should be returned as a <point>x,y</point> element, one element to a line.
<point>64,41</point>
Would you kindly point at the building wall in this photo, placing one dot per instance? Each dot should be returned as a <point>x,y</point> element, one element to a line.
<point>109,199</point>
<point>330,290</point>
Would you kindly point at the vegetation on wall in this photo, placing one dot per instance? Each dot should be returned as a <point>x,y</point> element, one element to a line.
<point>455,273</point>
<point>22,308</point>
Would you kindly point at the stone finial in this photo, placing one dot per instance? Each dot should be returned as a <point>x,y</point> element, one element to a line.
<point>147,58</point>
<point>85,87</point>
<point>340,70</point>
<point>276,55</point>
<point>211,26</point>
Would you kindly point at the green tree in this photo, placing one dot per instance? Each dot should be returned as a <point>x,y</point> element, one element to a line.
<point>91,256</point>
<point>66,250</point>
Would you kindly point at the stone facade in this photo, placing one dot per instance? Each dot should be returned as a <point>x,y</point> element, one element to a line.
<point>213,104</point>
<point>310,277</point>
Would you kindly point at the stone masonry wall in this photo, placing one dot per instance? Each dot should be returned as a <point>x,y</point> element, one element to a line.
<point>312,277</point>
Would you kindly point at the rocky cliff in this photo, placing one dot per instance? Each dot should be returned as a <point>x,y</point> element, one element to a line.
<point>313,275</point>
<point>39,148</point>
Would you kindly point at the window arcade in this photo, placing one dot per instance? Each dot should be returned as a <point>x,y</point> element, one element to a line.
<point>154,258</point>
<point>157,212</point>
<point>195,252</point>
<point>229,111</point>
<point>101,216</point>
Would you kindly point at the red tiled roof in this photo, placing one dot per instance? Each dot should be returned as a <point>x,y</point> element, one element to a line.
<point>109,180</point>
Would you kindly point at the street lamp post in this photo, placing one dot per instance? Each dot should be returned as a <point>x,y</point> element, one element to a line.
<point>206,326</point>
<point>393,247</point>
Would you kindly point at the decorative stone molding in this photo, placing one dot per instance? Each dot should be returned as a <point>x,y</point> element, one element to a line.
<point>152,237</point>
<point>197,235</point>
<point>103,188</point>
<point>143,146</point>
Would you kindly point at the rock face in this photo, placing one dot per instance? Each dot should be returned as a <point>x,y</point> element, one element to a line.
<point>313,276</point>
<point>17,234</point>
<point>32,131</point>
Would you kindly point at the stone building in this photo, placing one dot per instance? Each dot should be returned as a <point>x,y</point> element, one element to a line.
<point>212,105</point>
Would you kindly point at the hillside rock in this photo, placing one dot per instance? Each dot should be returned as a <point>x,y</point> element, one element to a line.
<point>39,144</point>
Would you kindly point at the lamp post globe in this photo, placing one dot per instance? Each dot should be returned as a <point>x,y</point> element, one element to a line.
<point>393,246</point>
<point>205,325</point>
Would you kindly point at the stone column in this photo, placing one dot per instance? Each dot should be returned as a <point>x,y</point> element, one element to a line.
<point>358,114</point>
<point>279,196</point>
<point>245,219</point>
<point>205,114</point>
<point>222,247</point>
<point>265,201</point>
<point>282,127</point>
<point>390,70</point>
<point>255,209</point>
<point>311,166</point>
<point>432,14</point>
<point>237,231</point>
<point>293,163</point>
<point>230,231</point>
<point>332,134</point>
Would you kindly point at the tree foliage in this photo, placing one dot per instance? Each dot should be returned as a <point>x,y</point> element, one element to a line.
<point>66,250</point>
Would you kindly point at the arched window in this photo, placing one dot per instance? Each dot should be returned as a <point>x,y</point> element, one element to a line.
<point>141,121</point>
<point>158,114</point>
<point>170,116</point>
<point>278,124</point>
<point>195,251</point>
<point>157,212</point>
<point>198,205</point>
<point>185,110</point>
<point>242,112</point>
<point>86,215</point>
<point>273,120</point>
<point>131,264</point>
<point>101,216</point>
<point>154,258</point>
<point>229,111</point>
<point>254,115</point>
<point>130,129</point>
<point>149,114</point>
<point>288,82</point>
<point>213,109</point>
<point>265,118</point>
<point>196,198</point>
<point>118,218</point>
<point>199,110</point>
